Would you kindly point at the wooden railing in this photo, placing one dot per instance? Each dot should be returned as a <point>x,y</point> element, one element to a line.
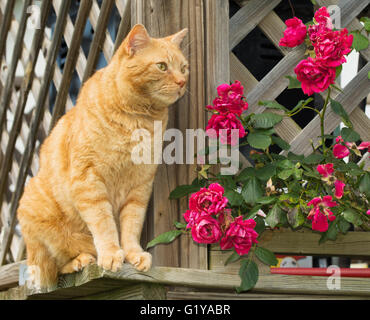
<point>212,36</point>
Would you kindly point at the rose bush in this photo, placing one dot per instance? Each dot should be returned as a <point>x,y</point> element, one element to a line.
<point>326,191</point>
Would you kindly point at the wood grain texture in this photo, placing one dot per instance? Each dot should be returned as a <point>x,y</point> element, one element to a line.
<point>9,275</point>
<point>247,18</point>
<point>353,244</point>
<point>94,280</point>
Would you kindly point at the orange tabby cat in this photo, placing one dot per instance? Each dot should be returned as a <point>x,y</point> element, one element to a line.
<point>89,199</point>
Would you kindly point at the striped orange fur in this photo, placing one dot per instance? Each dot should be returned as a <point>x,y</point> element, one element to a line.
<point>88,200</point>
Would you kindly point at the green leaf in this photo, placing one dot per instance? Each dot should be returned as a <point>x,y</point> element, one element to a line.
<point>338,70</point>
<point>349,135</point>
<point>352,217</point>
<point>235,198</point>
<point>343,225</point>
<point>281,143</point>
<point>273,217</point>
<point>339,110</point>
<point>252,191</point>
<point>232,258</point>
<point>368,75</point>
<point>366,22</point>
<point>360,42</point>
<point>266,172</point>
<point>301,104</point>
<point>260,225</point>
<point>248,274</point>
<point>314,158</point>
<point>266,120</point>
<point>285,174</point>
<point>285,164</point>
<point>295,217</point>
<point>293,82</point>
<point>266,256</point>
<point>332,232</point>
<point>266,200</point>
<point>258,140</point>
<point>179,225</point>
<point>314,2</point>
<point>364,186</point>
<point>182,191</point>
<point>295,157</point>
<point>246,174</point>
<point>166,237</point>
<point>272,105</point>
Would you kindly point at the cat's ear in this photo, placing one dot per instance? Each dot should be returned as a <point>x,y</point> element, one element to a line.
<point>178,37</point>
<point>137,39</point>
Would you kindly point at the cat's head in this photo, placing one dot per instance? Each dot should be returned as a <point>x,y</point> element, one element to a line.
<point>154,67</point>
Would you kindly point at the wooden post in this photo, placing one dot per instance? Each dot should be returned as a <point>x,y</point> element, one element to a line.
<point>162,18</point>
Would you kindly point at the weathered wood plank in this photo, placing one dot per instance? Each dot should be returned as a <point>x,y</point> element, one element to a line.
<point>361,123</point>
<point>190,114</point>
<point>9,275</point>
<point>353,244</point>
<point>209,295</point>
<point>142,291</point>
<point>247,18</point>
<point>93,278</point>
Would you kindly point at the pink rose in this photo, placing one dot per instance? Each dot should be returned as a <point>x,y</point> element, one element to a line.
<point>325,170</point>
<point>230,99</point>
<point>322,17</point>
<point>340,151</point>
<point>294,34</point>
<point>321,212</point>
<point>364,145</point>
<point>192,216</point>
<point>240,235</point>
<point>339,188</point>
<point>331,46</point>
<point>314,31</point>
<point>209,200</point>
<point>206,230</point>
<point>368,212</point>
<point>226,122</point>
<point>314,76</point>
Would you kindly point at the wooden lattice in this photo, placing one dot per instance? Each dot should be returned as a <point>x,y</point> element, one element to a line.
<point>22,133</point>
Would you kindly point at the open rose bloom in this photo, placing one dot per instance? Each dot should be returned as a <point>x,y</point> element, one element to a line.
<point>318,72</point>
<point>225,123</point>
<point>211,222</point>
<point>321,213</point>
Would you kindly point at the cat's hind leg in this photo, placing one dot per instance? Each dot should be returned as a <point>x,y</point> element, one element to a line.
<point>78,263</point>
<point>42,267</point>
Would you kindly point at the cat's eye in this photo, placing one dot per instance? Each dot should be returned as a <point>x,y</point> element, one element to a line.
<point>183,69</point>
<point>162,66</point>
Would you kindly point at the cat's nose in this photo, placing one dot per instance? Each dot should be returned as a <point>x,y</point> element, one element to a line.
<point>180,82</point>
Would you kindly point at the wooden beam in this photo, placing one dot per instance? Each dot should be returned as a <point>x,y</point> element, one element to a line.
<point>93,280</point>
<point>303,242</point>
<point>9,275</point>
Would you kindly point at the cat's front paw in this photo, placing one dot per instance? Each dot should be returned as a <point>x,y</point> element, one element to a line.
<point>142,261</point>
<point>111,259</point>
